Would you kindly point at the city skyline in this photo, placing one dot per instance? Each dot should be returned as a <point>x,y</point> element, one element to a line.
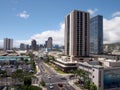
<point>25,20</point>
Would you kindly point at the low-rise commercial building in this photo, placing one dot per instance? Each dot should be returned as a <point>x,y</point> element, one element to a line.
<point>65,66</point>
<point>104,73</point>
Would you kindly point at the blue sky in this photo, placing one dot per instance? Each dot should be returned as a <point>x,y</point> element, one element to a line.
<point>24,20</point>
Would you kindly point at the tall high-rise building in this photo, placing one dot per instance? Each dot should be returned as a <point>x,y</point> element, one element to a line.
<point>96,35</point>
<point>77,26</point>
<point>45,45</point>
<point>33,45</point>
<point>22,46</point>
<point>49,43</point>
<point>8,44</point>
<point>41,46</point>
<point>27,46</point>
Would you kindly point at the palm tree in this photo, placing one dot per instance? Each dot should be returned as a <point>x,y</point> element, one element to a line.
<point>83,76</point>
<point>86,79</point>
<point>79,72</point>
<point>93,86</point>
<point>74,72</point>
<point>87,83</point>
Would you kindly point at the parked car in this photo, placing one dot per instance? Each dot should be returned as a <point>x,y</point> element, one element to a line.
<point>51,86</point>
<point>49,77</point>
<point>60,85</point>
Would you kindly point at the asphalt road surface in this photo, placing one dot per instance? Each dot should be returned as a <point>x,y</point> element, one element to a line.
<point>51,77</point>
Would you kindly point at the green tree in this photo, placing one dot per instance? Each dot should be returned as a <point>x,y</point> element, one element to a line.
<point>53,58</point>
<point>93,86</point>
<point>30,88</point>
<point>27,81</point>
<point>26,61</point>
<point>79,73</point>
<point>3,73</point>
<point>18,74</point>
<point>87,84</point>
<point>74,72</point>
<point>22,59</point>
<point>83,74</point>
<point>42,83</point>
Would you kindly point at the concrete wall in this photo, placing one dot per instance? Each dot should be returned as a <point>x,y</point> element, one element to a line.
<point>96,74</point>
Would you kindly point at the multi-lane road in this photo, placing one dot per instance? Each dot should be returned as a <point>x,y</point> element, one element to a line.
<point>50,77</point>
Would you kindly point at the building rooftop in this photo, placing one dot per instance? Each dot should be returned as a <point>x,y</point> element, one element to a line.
<point>91,64</point>
<point>109,63</point>
<point>66,62</point>
<point>63,65</point>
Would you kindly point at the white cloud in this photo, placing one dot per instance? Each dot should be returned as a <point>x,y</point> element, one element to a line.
<point>23,15</point>
<point>112,29</point>
<point>92,12</point>
<point>116,14</point>
<point>17,42</point>
<point>57,35</point>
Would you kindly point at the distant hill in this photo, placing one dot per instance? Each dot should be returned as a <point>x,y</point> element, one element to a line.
<point>113,44</point>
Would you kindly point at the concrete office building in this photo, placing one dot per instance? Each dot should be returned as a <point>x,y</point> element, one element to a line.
<point>96,72</point>
<point>77,27</point>
<point>33,45</point>
<point>45,45</point>
<point>27,47</point>
<point>8,44</point>
<point>96,35</point>
<point>22,46</point>
<point>49,43</point>
<point>104,73</point>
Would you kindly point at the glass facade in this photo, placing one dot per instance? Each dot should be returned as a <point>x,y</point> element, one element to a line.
<point>96,35</point>
<point>112,79</point>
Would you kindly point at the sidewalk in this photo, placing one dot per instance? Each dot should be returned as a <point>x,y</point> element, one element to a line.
<point>43,88</point>
<point>71,82</point>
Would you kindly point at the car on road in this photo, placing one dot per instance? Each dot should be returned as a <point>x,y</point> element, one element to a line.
<point>51,86</point>
<point>71,76</point>
<point>63,78</point>
<point>60,85</point>
<point>49,77</point>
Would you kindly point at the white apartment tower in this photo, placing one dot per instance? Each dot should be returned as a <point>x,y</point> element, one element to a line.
<point>77,27</point>
<point>8,44</point>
